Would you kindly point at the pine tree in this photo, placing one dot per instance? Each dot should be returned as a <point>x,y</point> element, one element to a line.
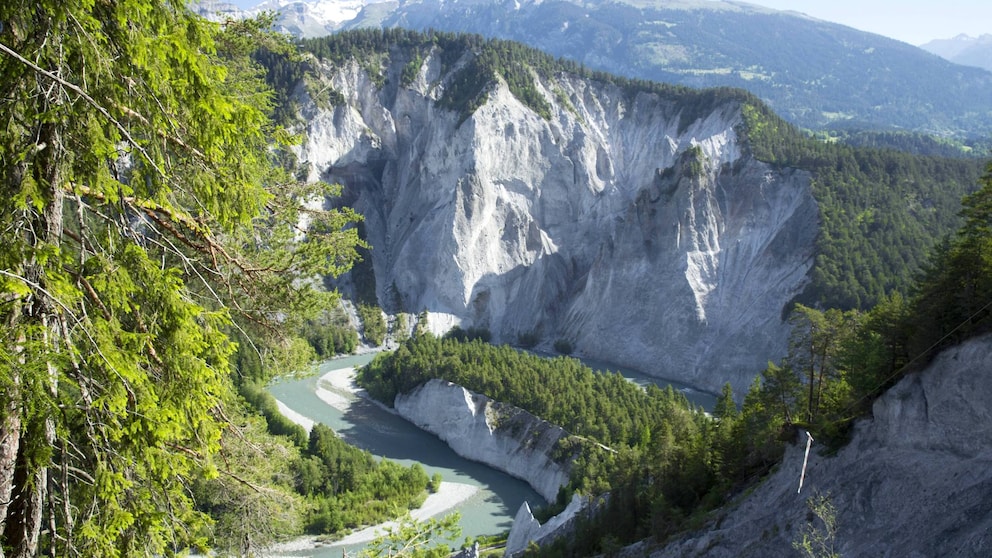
<point>141,222</point>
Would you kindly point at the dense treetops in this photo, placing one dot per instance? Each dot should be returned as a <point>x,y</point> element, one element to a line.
<point>815,73</point>
<point>285,482</point>
<point>669,462</point>
<point>605,407</point>
<point>486,59</point>
<point>666,460</point>
<point>881,210</point>
<point>149,244</point>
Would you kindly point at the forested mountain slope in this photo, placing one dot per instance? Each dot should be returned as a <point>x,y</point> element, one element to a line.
<point>814,73</point>
<point>914,480</point>
<point>676,468</point>
<point>651,225</point>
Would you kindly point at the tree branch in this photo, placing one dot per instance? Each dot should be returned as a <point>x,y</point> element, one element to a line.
<point>100,108</point>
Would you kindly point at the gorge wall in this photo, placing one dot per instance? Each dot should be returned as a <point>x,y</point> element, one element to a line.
<point>499,435</point>
<point>916,479</point>
<point>642,233</point>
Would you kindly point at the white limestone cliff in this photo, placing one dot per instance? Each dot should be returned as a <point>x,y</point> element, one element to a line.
<point>915,480</point>
<point>499,435</point>
<point>643,237</point>
<point>527,529</point>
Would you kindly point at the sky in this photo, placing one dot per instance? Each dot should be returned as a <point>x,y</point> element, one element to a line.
<point>912,21</point>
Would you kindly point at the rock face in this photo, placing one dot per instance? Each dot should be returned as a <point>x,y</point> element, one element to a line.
<point>499,435</point>
<point>641,235</point>
<point>527,529</point>
<point>916,480</point>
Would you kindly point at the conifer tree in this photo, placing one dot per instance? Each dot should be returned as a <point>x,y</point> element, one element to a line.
<point>141,223</point>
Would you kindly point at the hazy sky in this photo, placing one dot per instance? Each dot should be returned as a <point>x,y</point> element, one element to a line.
<point>912,21</point>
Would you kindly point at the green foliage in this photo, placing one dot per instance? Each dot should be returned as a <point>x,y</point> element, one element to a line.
<point>263,402</point>
<point>604,407</point>
<point>694,162</point>
<point>880,210</point>
<point>411,69</point>
<point>814,346</point>
<point>661,448</point>
<point>401,328</point>
<point>470,334</point>
<point>528,340</point>
<point>373,323</point>
<point>323,95</point>
<point>819,536</point>
<point>281,61</point>
<point>331,334</point>
<point>725,407</point>
<point>348,488</point>
<point>563,346</point>
<point>486,61</point>
<point>251,502</point>
<point>416,539</point>
<point>422,325</point>
<point>148,211</point>
<point>954,296</point>
<point>814,73</point>
<point>839,362</point>
<point>915,143</point>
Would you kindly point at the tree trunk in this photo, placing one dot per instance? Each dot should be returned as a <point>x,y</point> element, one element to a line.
<point>24,528</point>
<point>25,511</point>
<point>10,443</point>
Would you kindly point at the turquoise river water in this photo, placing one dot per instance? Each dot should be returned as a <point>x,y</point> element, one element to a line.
<point>369,426</point>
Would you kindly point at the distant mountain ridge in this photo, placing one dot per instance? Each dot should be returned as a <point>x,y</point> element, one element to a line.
<point>964,50</point>
<point>816,74</point>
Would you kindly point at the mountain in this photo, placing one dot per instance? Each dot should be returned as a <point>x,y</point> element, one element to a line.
<point>816,74</point>
<point>636,228</point>
<point>656,226</point>
<point>313,18</point>
<point>964,50</point>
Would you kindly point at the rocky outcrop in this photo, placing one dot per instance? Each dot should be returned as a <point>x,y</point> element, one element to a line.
<point>638,229</point>
<point>916,479</point>
<point>527,529</point>
<point>499,435</point>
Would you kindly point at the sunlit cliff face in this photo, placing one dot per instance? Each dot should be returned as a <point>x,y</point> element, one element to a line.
<point>643,237</point>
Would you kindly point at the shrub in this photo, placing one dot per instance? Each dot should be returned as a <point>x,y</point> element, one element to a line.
<point>564,346</point>
<point>373,323</point>
<point>528,340</point>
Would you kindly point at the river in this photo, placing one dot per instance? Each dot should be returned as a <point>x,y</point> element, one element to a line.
<point>367,425</point>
